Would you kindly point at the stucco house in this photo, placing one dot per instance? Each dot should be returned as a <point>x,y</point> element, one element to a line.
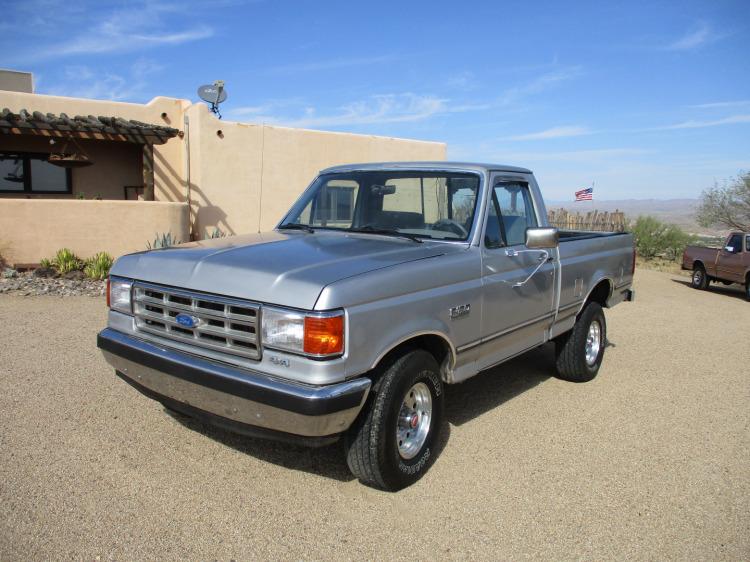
<point>97,175</point>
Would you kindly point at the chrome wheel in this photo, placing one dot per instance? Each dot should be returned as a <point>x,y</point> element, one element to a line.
<point>697,277</point>
<point>593,342</point>
<point>414,420</point>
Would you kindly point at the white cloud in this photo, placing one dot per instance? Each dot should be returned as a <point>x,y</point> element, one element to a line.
<point>702,35</point>
<point>332,64</point>
<point>721,104</point>
<point>732,120</point>
<point>571,155</point>
<point>540,84</point>
<point>140,27</point>
<point>80,81</point>
<point>554,133</point>
<point>378,109</point>
<point>462,81</point>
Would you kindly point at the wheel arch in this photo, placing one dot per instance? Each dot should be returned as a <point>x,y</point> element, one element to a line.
<point>599,293</point>
<point>436,344</point>
<point>700,263</point>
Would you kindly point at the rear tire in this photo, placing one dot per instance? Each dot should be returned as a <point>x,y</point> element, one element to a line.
<point>747,288</point>
<point>580,351</point>
<point>700,279</point>
<point>392,443</point>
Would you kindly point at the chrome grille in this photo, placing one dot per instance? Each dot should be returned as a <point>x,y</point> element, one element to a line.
<point>221,325</point>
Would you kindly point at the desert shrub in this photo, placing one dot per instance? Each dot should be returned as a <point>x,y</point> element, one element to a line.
<point>654,238</point>
<point>66,261</point>
<point>46,263</point>
<point>98,267</point>
<point>163,240</point>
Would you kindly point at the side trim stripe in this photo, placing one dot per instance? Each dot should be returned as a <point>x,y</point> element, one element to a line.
<point>496,335</point>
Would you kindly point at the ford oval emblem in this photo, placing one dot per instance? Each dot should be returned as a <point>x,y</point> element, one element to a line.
<point>187,320</point>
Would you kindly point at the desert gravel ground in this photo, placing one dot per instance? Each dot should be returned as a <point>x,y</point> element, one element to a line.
<point>651,460</point>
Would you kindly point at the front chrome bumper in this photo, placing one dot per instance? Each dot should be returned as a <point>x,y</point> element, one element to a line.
<point>237,395</point>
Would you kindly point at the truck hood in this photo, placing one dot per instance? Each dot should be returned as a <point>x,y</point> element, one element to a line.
<point>289,269</point>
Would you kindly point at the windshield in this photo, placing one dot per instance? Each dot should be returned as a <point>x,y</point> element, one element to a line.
<point>437,205</point>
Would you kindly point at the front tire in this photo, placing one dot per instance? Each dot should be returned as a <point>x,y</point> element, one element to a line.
<point>700,279</point>
<point>747,288</point>
<point>580,352</point>
<point>393,443</point>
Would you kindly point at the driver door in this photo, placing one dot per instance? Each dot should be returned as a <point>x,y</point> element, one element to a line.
<point>517,306</point>
<point>729,264</point>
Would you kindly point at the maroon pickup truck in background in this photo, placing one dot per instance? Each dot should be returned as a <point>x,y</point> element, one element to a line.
<point>730,264</point>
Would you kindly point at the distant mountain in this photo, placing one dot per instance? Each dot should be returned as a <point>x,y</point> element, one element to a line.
<point>677,211</point>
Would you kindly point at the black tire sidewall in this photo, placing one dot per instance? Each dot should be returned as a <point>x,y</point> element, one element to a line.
<point>399,472</point>
<point>700,284</point>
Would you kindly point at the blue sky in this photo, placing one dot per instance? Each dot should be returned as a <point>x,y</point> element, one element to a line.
<point>647,99</point>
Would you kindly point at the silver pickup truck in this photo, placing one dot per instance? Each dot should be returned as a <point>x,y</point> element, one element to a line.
<point>383,283</point>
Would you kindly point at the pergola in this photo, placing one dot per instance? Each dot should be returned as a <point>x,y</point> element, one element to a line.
<point>90,127</point>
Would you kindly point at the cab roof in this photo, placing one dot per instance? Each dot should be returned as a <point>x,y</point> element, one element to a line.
<point>426,165</point>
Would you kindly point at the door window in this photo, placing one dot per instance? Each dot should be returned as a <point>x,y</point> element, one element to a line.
<point>735,242</point>
<point>511,213</point>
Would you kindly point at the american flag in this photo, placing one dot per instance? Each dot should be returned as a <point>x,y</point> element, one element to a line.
<point>585,194</point>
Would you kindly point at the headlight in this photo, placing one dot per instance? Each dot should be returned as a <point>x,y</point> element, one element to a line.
<point>118,294</point>
<point>314,334</point>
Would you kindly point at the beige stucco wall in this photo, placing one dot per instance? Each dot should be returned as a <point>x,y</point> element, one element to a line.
<point>241,177</point>
<point>244,177</point>
<point>34,229</point>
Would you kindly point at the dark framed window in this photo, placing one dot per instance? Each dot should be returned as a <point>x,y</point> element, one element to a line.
<point>511,212</point>
<point>28,172</point>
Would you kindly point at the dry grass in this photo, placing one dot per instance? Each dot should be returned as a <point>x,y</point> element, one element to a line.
<point>661,264</point>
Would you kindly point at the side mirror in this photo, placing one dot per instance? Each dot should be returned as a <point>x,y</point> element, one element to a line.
<point>542,238</point>
<point>729,249</point>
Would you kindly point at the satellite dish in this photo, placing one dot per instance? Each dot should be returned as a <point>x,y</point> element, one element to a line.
<point>213,94</point>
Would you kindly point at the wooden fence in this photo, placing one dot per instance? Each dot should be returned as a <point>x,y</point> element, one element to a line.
<point>593,220</point>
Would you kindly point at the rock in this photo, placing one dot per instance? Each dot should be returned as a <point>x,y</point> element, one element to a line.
<point>45,272</point>
<point>75,275</point>
<point>30,284</point>
<point>9,273</point>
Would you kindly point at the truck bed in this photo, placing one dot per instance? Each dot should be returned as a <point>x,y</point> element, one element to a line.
<point>568,235</point>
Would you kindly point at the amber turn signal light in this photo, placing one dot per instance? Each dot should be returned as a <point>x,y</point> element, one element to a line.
<point>324,335</point>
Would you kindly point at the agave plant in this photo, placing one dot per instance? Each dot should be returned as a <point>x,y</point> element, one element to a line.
<point>66,261</point>
<point>98,266</point>
<point>217,233</point>
<point>163,240</point>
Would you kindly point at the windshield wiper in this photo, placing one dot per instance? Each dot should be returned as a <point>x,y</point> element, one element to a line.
<point>297,226</point>
<point>369,229</point>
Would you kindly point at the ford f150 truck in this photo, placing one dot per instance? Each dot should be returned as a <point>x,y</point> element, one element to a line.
<point>729,264</point>
<point>382,284</point>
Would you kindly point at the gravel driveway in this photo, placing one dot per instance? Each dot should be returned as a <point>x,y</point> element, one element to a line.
<point>651,460</point>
